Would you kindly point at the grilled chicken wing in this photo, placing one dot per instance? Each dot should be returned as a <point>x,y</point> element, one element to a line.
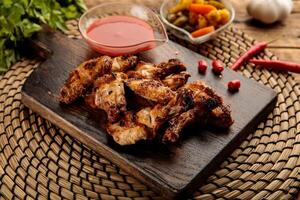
<point>220,114</point>
<point>123,63</point>
<point>127,131</point>
<point>153,117</point>
<point>175,81</point>
<point>109,95</point>
<point>151,90</point>
<point>176,125</point>
<point>167,102</point>
<point>86,73</point>
<point>160,71</point>
<point>145,70</point>
<point>83,77</point>
<point>207,107</point>
<point>220,117</point>
<point>173,66</point>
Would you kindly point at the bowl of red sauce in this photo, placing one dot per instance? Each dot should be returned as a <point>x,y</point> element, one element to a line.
<point>122,28</point>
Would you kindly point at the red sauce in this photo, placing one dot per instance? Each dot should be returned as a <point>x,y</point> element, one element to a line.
<point>120,31</point>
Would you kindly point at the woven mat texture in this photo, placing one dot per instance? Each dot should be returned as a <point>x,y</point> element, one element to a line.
<point>38,160</point>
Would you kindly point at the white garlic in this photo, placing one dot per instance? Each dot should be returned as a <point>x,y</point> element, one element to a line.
<point>269,11</point>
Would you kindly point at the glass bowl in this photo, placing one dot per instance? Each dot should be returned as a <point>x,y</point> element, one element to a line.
<point>185,35</point>
<point>123,9</point>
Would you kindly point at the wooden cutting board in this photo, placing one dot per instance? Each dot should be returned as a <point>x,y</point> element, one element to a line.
<point>172,170</point>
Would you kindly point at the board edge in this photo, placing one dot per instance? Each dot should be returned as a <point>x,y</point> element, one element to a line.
<point>164,189</point>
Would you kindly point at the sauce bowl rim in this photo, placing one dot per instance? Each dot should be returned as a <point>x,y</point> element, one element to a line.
<point>157,18</point>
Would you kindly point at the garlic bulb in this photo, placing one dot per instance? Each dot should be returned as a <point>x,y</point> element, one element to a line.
<point>269,11</point>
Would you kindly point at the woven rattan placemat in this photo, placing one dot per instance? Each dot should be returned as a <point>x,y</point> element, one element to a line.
<point>38,160</point>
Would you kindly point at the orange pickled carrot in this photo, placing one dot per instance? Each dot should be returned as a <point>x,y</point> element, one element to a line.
<point>201,8</point>
<point>203,31</point>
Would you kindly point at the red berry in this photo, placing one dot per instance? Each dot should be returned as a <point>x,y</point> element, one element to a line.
<point>234,85</point>
<point>202,66</point>
<point>217,67</point>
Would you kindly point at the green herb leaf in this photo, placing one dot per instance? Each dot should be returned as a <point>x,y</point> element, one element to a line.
<point>28,28</point>
<point>19,19</point>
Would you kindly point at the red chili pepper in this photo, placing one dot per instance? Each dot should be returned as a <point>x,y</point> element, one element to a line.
<point>202,66</point>
<point>217,67</point>
<point>277,65</point>
<point>234,85</point>
<point>259,47</point>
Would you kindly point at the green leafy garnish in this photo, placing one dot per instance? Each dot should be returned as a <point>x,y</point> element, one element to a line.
<point>19,19</point>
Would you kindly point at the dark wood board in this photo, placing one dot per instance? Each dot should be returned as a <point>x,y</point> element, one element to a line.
<point>172,170</point>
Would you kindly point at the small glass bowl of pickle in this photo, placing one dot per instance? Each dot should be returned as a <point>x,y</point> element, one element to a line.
<point>197,21</point>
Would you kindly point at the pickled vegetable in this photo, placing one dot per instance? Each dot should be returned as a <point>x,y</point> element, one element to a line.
<point>203,31</point>
<point>199,17</point>
<point>199,2</point>
<point>180,21</point>
<point>225,16</point>
<point>183,4</point>
<point>177,8</point>
<point>216,4</point>
<point>202,22</point>
<point>201,8</point>
<point>213,17</point>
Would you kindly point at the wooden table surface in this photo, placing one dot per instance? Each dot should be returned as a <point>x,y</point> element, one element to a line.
<point>286,33</point>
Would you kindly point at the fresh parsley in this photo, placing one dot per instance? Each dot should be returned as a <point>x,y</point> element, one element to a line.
<point>19,19</point>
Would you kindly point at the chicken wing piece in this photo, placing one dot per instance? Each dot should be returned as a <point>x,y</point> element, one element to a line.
<point>160,71</point>
<point>219,114</point>
<point>200,88</point>
<point>182,102</point>
<point>153,117</point>
<point>91,94</point>
<point>151,90</point>
<point>85,74</point>
<point>127,131</point>
<point>83,77</point>
<point>208,108</point>
<point>109,95</point>
<point>173,66</point>
<point>175,81</point>
<point>123,63</point>
<point>176,125</point>
<point>203,96</point>
<point>144,70</point>
<point>220,117</point>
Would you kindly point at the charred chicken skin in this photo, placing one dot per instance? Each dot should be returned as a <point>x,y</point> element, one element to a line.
<point>127,131</point>
<point>171,67</point>
<point>110,96</point>
<point>145,70</point>
<point>123,63</point>
<point>220,115</point>
<point>151,90</point>
<point>158,72</point>
<point>177,124</point>
<point>83,77</point>
<point>175,81</point>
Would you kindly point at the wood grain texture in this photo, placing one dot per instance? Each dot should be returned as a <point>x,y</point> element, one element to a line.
<point>172,170</point>
<point>286,33</point>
